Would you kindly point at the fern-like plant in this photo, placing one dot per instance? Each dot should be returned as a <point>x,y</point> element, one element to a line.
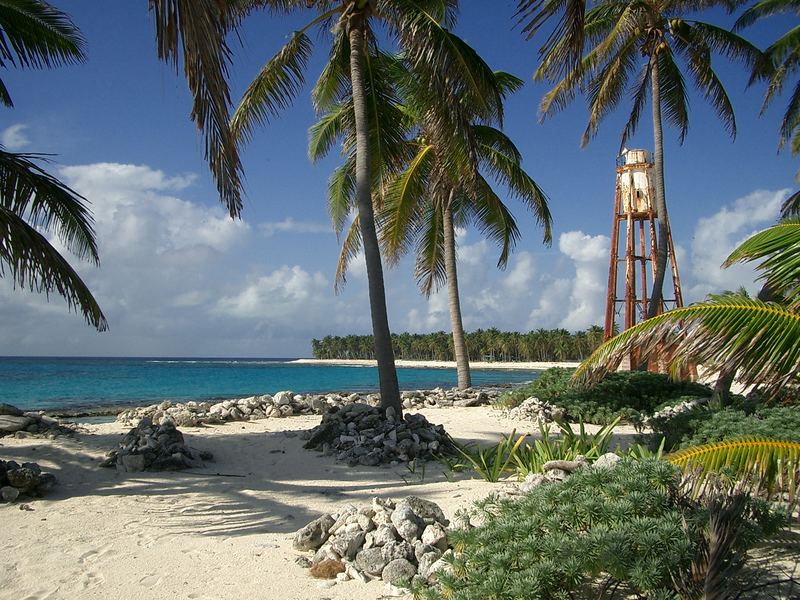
<point>772,466</point>
<point>492,462</point>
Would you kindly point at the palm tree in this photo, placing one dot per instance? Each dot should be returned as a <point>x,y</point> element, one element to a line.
<point>423,203</point>
<point>784,56</point>
<point>730,332</point>
<point>198,29</point>
<point>34,34</point>
<point>646,38</point>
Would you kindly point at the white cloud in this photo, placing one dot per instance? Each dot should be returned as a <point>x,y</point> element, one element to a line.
<point>289,225</point>
<point>14,138</point>
<point>588,295</point>
<point>716,236</point>
<point>286,293</point>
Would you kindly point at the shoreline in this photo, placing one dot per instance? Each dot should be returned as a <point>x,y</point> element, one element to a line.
<point>438,364</point>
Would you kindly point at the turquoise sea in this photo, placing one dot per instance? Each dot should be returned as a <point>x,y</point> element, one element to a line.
<point>35,383</point>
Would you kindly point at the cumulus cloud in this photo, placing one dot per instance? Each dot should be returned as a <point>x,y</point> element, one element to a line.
<point>289,225</point>
<point>716,236</point>
<point>14,138</point>
<point>589,254</point>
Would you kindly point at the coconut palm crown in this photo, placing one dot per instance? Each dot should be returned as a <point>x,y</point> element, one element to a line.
<point>641,49</point>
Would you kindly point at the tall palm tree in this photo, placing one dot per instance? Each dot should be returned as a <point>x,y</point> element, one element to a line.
<point>423,202</point>
<point>198,29</point>
<point>34,34</point>
<point>635,47</point>
<point>730,332</point>
<point>784,56</point>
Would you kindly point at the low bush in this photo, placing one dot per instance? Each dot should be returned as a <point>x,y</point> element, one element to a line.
<point>627,395</point>
<point>627,531</point>
<point>704,425</point>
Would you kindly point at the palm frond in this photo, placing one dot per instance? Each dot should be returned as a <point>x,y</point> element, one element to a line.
<point>334,81</point>
<point>323,134</point>
<point>729,331</point>
<point>46,203</point>
<point>773,465</point>
<point>197,29</point>
<point>791,206</point>
<point>430,269</point>
<point>274,88</point>
<point>34,264</point>
<point>351,246</point>
<point>639,99</point>
<point>35,34</point>
<point>674,98</point>
<point>764,8</point>
<point>494,220</point>
<point>341,194</point>
<point>779,247</point>
<point>565,43</point>
<point>405,194</point>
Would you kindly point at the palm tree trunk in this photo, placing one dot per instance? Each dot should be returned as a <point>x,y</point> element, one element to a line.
<point>656,294</point>
<point>459,343</point>
<point>387,374</point>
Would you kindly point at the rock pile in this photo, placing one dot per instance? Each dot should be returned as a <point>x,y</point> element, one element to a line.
<point>393,541</point>
<point>536,410</point>
<point>27,478</point>
<point>154,448</point>
<point>287,404</point>
<point>14,421</point>
<point>359,434</point>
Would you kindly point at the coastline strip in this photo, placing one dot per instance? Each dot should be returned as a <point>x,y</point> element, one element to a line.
<point>437,364</point>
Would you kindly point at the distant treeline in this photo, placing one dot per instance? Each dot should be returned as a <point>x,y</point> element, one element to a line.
<point>483,344</point>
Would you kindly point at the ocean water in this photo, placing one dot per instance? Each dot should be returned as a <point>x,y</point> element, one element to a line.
<point>35,383</point>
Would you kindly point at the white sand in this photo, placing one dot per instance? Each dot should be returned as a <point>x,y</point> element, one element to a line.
<point>104,534</point>
<point>440,364</point>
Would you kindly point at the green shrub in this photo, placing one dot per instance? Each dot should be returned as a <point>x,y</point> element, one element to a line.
<point>530,458</point>
<point>703,425</point>
<point>628,395</point>
<point>627,529</point>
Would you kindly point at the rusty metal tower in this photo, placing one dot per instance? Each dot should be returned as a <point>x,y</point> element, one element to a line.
<point>635,220</point>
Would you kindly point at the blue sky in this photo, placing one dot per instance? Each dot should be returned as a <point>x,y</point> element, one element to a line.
<point>178,278</point>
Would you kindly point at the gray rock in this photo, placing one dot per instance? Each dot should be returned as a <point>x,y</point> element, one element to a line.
<point>131,463</point>
<point>47,481</point>
<point>12,423</point>
<point>347,543</point>
<point>8,493</point>
<point>24,479</point>
<point>426,561</point>
<point>425,509</point>
<point>609,460</point>
<point>313,535</point>
<point>407,523</point>
<point>371,561</point>
<point>7,409</point>
<point>384,534</point>
<point>395,550</point>
<point>435,535</point>
<point>398,571</point>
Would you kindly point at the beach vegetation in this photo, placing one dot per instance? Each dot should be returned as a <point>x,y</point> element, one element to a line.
<point>630,396</point>
<point>641,50</point>
<point>567,445</point>
<point>445,67</point>
<point>762,465</point>
<point>630,531</point>
<point>34,203</point>
<point>494,461</point>
<point>489,345</point>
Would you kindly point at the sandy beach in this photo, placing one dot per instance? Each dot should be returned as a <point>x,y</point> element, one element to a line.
<point>196,534</point>
<point>440,364</point>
